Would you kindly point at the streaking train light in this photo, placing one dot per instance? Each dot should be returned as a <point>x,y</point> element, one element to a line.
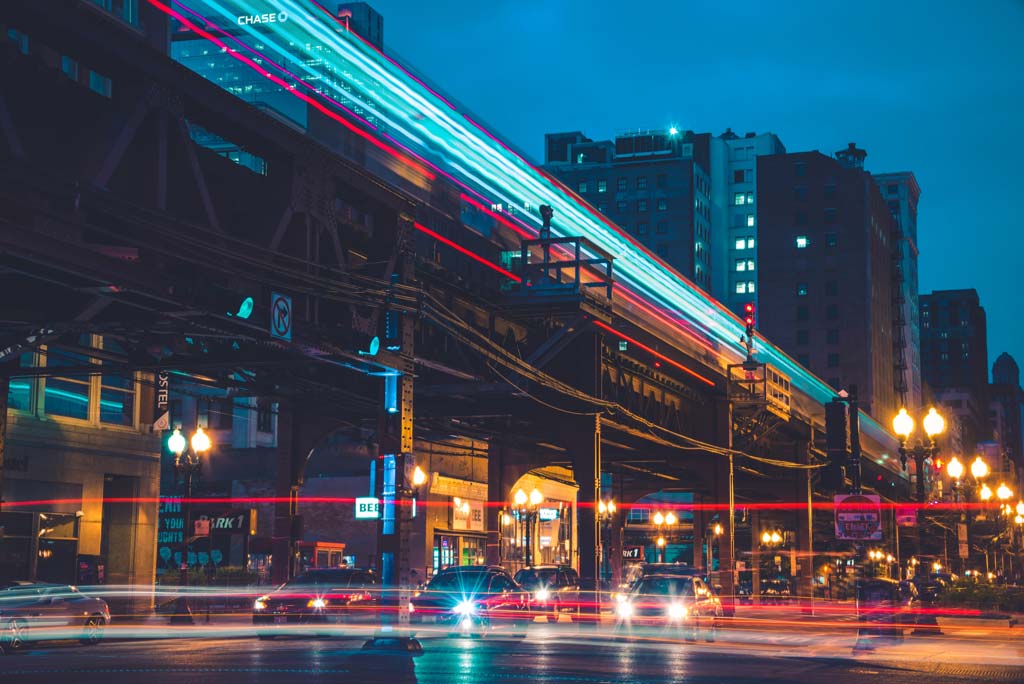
<point>312,56</point>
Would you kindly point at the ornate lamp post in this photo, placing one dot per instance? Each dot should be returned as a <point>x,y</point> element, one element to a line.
<point>606,514</point>
<point>903,426</point>
<point>660,519</point>
<point>187,463</point>
<point>528,505</point>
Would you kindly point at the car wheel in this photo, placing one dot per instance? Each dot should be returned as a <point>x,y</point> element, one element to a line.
<point>93,631</point>
<point>15,634</point>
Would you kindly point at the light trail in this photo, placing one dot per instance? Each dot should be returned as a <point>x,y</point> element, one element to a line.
<point>441,137</point>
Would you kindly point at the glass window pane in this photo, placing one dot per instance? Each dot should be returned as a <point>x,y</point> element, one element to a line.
<point>66,397</point>
<point>117,406</point>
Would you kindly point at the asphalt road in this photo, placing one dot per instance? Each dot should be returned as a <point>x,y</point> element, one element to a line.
<point>544,655</point>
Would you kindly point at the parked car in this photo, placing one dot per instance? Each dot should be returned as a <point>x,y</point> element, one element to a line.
<point>555,588</point>
<point>34,611</point>
<point>321,596</point>
<point>472,599</point>
<point>672,602</point>
<point>885,607</point>
<point>775,591</point>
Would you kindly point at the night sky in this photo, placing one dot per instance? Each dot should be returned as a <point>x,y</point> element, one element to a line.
<point>929,87</point>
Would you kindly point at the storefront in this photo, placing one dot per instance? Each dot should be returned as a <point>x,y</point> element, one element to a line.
<point>540,528</point>
<point>457,527</point>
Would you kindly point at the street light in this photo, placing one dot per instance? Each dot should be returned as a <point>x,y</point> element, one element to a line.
<point>979,469</point>
<point>1003,492</point>
<point>955,468</point>
<point>527,505</point>
<point>660,519</point>
<point>187,464</point>
<point>606,515</point>
<point>903,426</point>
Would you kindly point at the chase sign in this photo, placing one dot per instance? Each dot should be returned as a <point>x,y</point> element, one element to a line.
<point>265,18</point>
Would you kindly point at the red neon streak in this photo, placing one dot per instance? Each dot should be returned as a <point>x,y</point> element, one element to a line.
<point>405,158</point>
<point>459,248</point>
<point>647,349</point>
<point>496,216</point>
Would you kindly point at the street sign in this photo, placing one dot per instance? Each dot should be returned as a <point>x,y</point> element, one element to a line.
<point>906,516</point>
<point>367,507</point>
<point>281,316</point>
<point>858,517</point>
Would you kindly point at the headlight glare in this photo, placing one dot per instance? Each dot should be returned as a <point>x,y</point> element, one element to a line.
<point>677,611</point>
<point>624,609</point>
<point>317,603</point>
<point>465,608</point>
<point>542,595</point>
<point>260,603</point>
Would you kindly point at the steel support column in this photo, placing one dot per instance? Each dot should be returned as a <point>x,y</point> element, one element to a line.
<point>804,526</point>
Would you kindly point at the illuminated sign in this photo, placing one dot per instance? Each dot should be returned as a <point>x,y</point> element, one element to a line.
<point>548,514</point>
<point>265,18</point>
<point>367,507</point>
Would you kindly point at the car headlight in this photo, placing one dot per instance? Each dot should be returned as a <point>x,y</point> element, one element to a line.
<point>465,608</point>
<point>317,603</point>
<point>542,595</point>
<point>412,608</point>
<point>624,609</point>
<point>677,611</point>
<point>620,597</point>
<point>260,603</point>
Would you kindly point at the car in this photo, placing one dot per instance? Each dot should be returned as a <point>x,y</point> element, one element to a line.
<point>320,597</point>
<point>472,599</point>
<point>33,611</point>
<point>556,588</point>
<point>775,591</point>
<point>885,607</point>
<point>674,602</point>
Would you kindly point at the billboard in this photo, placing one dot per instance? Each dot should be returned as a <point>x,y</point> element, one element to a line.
<point>858,517</point>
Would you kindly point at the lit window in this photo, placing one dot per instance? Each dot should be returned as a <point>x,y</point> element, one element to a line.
<point>98,83</point>
<point>602,186</point>
<point>741,243</point>
<point>750,243</point>
<point>741,288</point>
<point>750,286</point>
<point>70,67</point>
<point>802,242</point>
<point>801,289</point>
<point>583,187</point>
<point>739,198</point>
<point>750,220</point>
<point>641,182</point>
<point>750,198</point>
<point>662,205</point>
<point>741,265</point>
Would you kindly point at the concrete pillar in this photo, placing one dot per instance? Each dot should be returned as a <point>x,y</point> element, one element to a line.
<point>285,530</point>
<point>699,518</point>
<point>755,556</point>
<point>497,500</point>
<point>583,441</point>
<point>804,527</point>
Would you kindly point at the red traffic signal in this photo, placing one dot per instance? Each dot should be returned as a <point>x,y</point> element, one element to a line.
<point>749,315</point>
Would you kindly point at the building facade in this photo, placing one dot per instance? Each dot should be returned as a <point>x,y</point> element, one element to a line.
<point>824,250</point>
<point>901,193</point>
<point>656,185</point>
<point>734,197</point>
<point>1007,412</point>
<point>954,361</point>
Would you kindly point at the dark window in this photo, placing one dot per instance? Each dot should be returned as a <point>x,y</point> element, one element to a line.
<point>833,360</point>
<point>265,415</point>
<point>802,313</point>
<point>834,382</point>
<point>621,184</point>
<point>661,180</point>
<point>602,185</point>
<point>830,192</point>
<point>803,360</point>
<point>832,336</point>
<point>892,189</point>
<point>641,205</point>
<point>641,228</point>
<point>662,227</point>
<point>800,218</point>
<point>641,182</point>
<point>737,176</point>
<point>802,337</point>
<point>832,312</point>
<point>831,239</point>
<point>831,288</point>
<point>663,250</point>
<point>830,216</point>
<point>622,206</point>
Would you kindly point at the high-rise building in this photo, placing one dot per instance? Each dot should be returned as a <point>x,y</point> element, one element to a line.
<point>901,193</point>
<point>1007,412</point>
<point>654,184</point>
<point>954,361</point>
<point>734,194</point>
<point>824,259</point>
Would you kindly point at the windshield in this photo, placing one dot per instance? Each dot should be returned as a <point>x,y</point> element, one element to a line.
<point>338,578</point>
<point>464,582</point>
<point>664,586</point>
<point>532,578</point>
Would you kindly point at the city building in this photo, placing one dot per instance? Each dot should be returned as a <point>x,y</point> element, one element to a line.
<point>734,196</point>
<point>655,184</point>
<point>954,362</point>
<point>901,193</point>
<point>81,469</point>
<point>824,253</point>
<point>1007,413</point>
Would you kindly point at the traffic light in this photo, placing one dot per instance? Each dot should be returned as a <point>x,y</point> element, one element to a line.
<point>749,315</point>
<point>837,443</point>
